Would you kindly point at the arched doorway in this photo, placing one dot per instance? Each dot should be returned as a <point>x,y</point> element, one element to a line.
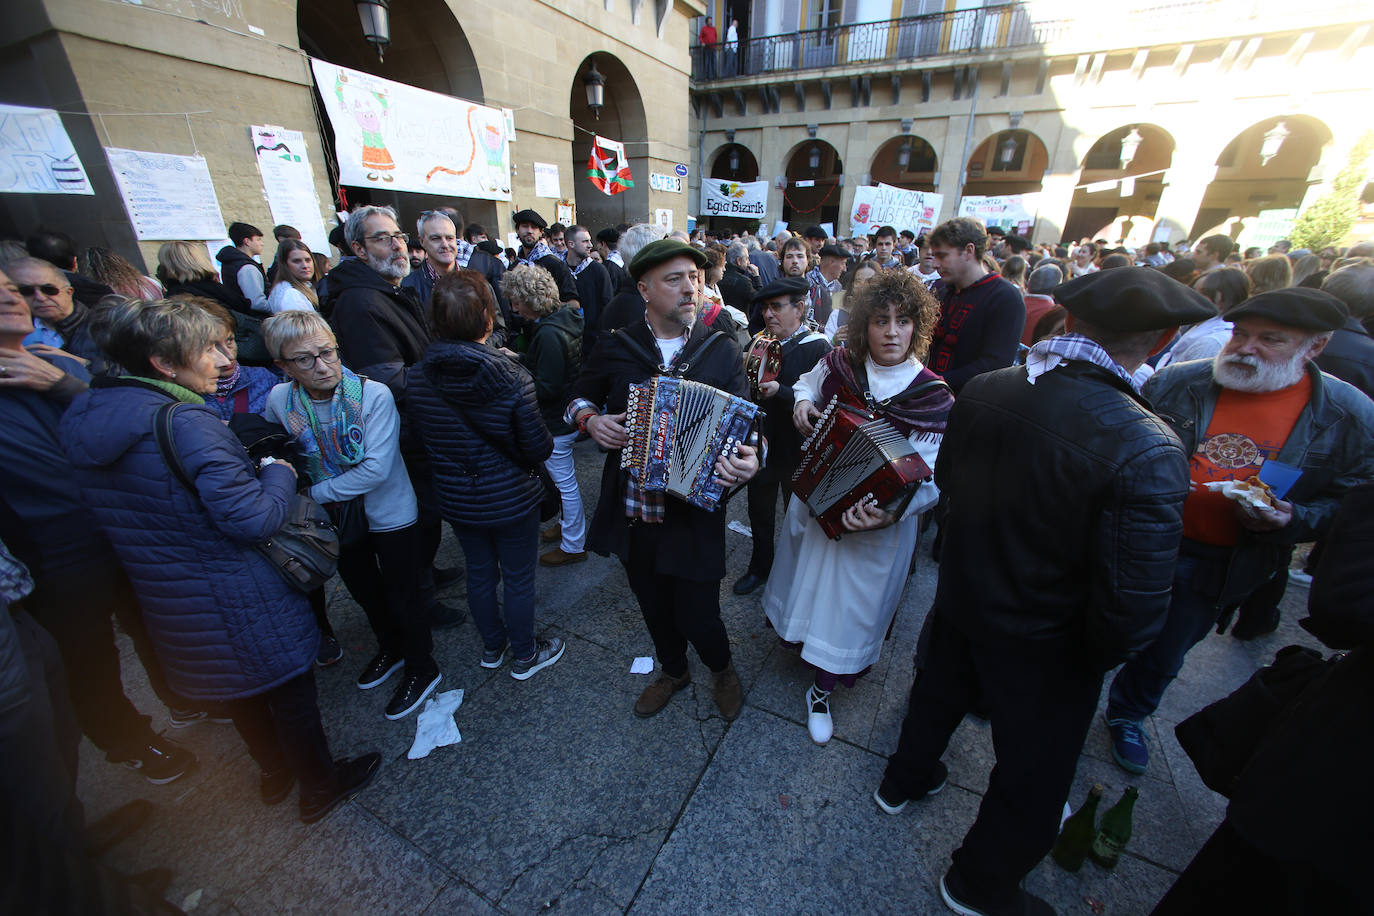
<point>905,162</point>
<point>621,119</point>
<point>1120,184</point>
<point>812,194</point>
<point>1007,163</point>
<point>428,50</point>
<point>1265,167</point>
<point>733,162</point>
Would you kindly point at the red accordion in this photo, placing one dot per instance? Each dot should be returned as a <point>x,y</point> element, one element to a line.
<point>763,362</point>
<point>852,455</point>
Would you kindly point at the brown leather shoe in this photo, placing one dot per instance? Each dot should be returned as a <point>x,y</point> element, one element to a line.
<point>557,557</point>
<point>657,694</point>
<point>729,694</point>
<point>548,536</point>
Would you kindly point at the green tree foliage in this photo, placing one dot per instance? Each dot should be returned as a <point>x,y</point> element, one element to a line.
<point>1330,217</point>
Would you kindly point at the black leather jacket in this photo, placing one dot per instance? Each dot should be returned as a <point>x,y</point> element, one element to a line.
<point>1065,510</point>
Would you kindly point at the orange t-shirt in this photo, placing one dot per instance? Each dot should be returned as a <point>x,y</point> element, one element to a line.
<point>1246,430</point>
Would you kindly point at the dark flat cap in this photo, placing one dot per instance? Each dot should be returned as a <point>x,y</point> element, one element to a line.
<point>790,287</point>
<point>490,246</point>
<point>814,232</point>
<point>1295,307</point>
<point>1133,299</point>
<point>529,216</point>
<point>661,252</point>
<point>834,251</point>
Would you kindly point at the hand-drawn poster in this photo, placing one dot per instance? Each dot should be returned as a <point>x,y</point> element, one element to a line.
<point>168,197</point>
<point>886,205</point>
<point>1010,212</point>
<point>36,155</point>
<point>290,184</point>
<point>390,135</point>
<point>743,199</point>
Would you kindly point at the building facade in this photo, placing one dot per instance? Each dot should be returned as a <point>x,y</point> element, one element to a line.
<point>1159,121</point>
<point>190,77</point>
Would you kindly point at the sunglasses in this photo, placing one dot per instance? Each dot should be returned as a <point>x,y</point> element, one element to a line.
<point>26,290</point>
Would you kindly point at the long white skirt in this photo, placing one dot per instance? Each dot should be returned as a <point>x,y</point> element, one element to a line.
<point>837,598</point>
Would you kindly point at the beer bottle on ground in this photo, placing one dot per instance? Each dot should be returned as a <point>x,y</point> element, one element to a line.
<point>1115,831</point>
<point>1076,838</point>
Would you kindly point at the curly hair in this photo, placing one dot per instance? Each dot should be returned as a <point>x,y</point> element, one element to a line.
<point>532,285</point>
<point>890,287</point>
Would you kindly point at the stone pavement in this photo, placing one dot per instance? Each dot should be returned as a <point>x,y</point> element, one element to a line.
<point>558,797</point>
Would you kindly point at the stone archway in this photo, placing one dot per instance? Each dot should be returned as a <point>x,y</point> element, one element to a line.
<point>814,176</point>
<point>734,162</point>
<point>905,162</point>
<point>1120,183</point>
<point>1008,162</point>
<point>622,119</point>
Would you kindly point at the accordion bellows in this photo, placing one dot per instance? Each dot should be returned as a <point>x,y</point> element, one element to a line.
<point>677,429</point>
<point>854,454</point>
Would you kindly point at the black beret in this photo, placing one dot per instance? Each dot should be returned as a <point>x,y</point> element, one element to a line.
<point>791,287</point>
<point>814,232</point>
<point>1295,307</point>
<point>662,251</point>
<point>1133,299</point>
<point>490,246</point>
<point>834,251</point>
<point>529,216</point>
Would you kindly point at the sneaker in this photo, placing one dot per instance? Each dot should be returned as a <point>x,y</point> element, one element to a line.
<point>329,652</point>
<point>559,557</point>
<point>276,785</point>
<point>893,800</point>
<point>657,694</point>
<point>818,721</point>
<point>410,693</point>
<point>494,658</point>
<point>380,670</point>
<point>445,617</point>
<point>160,761</point>
<point>444,576</point>
<point>350,777</point>
<point>552,535</point>
<point>546,652</point>
<point>728,692</point>
<point>1128,745</point>
<point>185,718</point>
<point>958,897</point>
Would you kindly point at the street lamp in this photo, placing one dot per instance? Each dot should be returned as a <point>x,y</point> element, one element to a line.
<point>1273,142</point>
<point>596,90</point>
<point>734,160</point>
<point>815,161</point>
<point>1006,151</point>
<point>376,18</point>
<point>1129,145</point>
<point>904,155</point>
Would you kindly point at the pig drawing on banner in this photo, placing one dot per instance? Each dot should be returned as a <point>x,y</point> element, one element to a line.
<point>369,109</point>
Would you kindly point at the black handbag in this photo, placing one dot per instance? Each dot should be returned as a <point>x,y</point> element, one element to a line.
<point>304,551</point>
<point>252,349</point>
<point>551,503</point>
<point>350,519</point>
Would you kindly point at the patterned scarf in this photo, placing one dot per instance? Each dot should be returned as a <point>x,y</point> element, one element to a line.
<point>224,386</point>
<point>581,265</point>
<point>924,414</point>
<point>328,452</point>
<point>541,249</point>
<point>464,253</point>
<point>1050,354</point>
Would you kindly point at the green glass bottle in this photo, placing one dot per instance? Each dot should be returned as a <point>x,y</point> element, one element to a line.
<point>1076,838</point>
<point>1115,832</point>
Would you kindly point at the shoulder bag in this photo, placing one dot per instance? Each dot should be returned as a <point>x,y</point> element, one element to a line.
<point>551,503</point>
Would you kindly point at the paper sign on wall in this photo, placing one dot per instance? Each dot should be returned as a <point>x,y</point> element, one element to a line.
<point>394,136</point>
<point>546,180</point>
<point>36,155</point>
<point>290,184</point>
<point>167,197</point>
<point>664,218</point>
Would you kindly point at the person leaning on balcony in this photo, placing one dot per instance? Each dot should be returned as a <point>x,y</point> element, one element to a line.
<point>709,38</point>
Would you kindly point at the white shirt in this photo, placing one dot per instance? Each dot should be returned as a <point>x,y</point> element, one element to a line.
<point>671,347</point>
<point>286,298</point>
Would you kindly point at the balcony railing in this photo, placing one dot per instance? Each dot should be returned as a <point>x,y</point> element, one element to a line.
<point>954,32</point>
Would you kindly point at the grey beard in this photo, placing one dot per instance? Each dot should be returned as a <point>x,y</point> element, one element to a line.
<point>1265,377</point>
<point>388,269</point>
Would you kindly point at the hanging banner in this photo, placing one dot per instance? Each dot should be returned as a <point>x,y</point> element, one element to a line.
<point>167,197</point>
<point>607,166</point>
<point>290,184</point>
<point>1266,228</point>
<point>395,136</point>
<point>742,199</point>
<point>36,155</point>
<point>1010,212</point>
<point>899,208</point>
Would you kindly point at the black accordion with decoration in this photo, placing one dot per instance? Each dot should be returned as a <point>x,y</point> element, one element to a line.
<point>677,429</point>
<point>853,455</point>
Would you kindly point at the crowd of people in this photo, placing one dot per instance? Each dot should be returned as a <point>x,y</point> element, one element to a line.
<point>1084,413</point>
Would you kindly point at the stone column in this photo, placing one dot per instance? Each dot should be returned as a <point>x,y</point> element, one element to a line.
<point>1056,197</point>
<point>1185,184</point>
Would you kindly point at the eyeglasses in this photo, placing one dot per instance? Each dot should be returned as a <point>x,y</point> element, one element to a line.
<point>48,289</point>
<point>306,361</point>
<point>387,238</point>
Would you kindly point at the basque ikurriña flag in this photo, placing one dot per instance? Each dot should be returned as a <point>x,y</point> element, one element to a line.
<point>607,166</point>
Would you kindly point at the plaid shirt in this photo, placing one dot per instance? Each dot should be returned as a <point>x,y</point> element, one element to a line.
<point>1052,353</point>
<point>15,581</point>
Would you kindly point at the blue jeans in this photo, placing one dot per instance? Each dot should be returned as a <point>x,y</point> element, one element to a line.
<point>1140,684</point>
<point>506,552</point>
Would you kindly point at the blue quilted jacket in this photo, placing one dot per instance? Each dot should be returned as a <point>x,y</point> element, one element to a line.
<point>224,623</point>
<point>476,484</point>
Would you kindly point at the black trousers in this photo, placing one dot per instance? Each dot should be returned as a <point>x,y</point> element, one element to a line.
<point>763,504</point>
<point>76,606</point>
<point>677,611</point>
<point>383,574</point>
<point>1040,697</point>
<point>282,729</point>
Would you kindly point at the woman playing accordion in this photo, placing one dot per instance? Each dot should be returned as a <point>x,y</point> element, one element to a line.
<point>836,598</point>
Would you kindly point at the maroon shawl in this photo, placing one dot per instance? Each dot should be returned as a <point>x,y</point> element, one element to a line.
<point>924,414</point>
